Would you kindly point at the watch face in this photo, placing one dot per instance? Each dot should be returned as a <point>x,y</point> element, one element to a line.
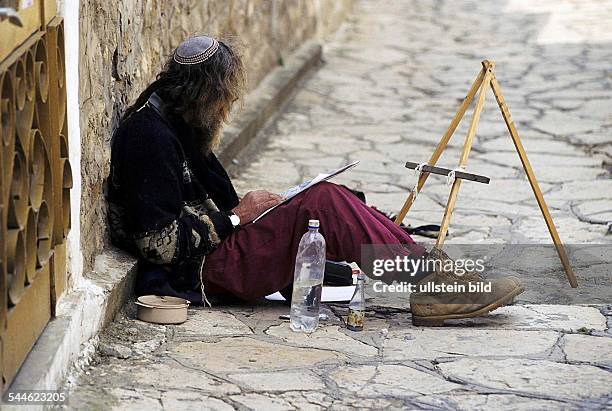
<point>235,220</point>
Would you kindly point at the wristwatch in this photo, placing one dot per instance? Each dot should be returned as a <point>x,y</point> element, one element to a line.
<point>234,219</point>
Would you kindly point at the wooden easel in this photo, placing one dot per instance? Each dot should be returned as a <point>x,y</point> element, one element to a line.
<point>485,78</point>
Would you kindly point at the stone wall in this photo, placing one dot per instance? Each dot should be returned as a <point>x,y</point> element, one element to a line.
<point>123,46</point>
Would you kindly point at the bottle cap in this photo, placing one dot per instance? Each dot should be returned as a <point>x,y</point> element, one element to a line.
<point>313,223</point>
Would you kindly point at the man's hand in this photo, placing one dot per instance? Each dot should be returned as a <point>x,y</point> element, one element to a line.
<point>254,203</point>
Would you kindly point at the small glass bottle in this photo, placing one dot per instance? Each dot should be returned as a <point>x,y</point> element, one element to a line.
<point>356,314</point>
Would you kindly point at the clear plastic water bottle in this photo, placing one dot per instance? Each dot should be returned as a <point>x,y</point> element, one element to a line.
<point>308,280</point>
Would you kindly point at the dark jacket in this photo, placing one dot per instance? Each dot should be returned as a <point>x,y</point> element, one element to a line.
<point>167,201</point>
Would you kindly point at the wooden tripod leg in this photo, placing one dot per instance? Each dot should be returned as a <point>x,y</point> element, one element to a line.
<point>448,212</point>
<point>533,182</point>
<point>442,144</point>
<point>467,147</point>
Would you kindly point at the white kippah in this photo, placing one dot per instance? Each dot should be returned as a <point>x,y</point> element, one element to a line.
<point>196,50</point>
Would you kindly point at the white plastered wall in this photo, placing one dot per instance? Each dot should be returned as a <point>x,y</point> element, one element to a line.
<point>69,10</point>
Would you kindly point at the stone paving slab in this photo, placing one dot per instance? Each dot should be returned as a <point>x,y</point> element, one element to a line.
<point>438,344</point>
<point>389,380</point>
<point>542,317</point>
<point>246,354</point>
<point>538,378</point>
<point>211,324</point>
<point>470,401</point>
<point>330,338</point>
<point>583,349</point>
<point>279,381</point>
<point>392,80</point>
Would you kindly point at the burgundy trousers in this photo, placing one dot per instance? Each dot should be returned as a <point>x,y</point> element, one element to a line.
<point>259,258</point>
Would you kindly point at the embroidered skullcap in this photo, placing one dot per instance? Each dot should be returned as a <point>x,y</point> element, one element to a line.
<point>196,50</point>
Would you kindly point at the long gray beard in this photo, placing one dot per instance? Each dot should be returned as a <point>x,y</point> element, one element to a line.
<point>208,134</point>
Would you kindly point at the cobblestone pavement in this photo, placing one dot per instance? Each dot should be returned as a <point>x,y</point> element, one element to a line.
<point>392,81</point>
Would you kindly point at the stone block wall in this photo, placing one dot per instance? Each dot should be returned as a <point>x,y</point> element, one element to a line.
<point>123,45</point>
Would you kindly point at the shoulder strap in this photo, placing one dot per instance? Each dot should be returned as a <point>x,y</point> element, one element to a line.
<point>156,104</point>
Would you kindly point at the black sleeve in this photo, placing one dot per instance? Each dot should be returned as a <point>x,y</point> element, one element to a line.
<point>152,185</point>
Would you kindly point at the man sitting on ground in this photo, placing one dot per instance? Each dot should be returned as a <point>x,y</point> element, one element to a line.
<point>172,203</point>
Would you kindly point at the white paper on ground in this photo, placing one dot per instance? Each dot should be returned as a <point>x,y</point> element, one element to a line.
<point>328,294</point>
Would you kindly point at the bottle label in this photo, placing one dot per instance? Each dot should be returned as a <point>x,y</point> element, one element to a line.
<point>355,319</point>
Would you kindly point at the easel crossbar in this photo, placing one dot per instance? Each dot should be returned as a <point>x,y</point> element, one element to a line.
<point>446,171</point>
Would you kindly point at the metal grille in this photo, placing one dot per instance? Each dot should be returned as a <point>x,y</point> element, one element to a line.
<point>35,185</point>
